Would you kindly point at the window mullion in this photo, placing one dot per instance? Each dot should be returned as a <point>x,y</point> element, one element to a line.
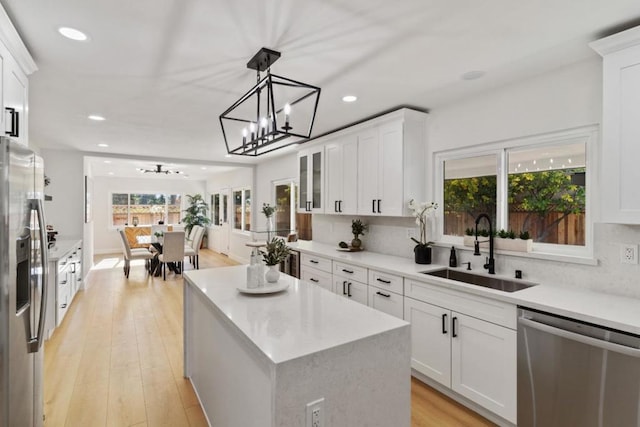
<point>502,191</point>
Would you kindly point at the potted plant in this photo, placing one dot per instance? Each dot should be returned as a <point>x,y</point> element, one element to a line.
<point>357,228</point>
<point>268,211</point>
<point>422,250</point>
<point>276,252</point>
<point>196,213</point>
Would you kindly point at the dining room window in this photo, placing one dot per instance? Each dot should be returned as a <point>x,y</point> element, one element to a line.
<point>242,209</point>
<point>145,208</point>
<point>215,209</point>
<point>285,193</point>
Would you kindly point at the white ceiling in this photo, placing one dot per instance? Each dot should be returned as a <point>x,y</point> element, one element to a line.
<point>162,71</point>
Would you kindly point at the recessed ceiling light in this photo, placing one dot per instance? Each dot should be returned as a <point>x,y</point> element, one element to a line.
<point>107,161</point>
<point>203,168</point>
<point>110,173</point>
<point>349,98</point>
<point>473,75</point>
<point>73,34</point>
<point>96,118</point>
<point>103,145</point>
<point>227,155</point>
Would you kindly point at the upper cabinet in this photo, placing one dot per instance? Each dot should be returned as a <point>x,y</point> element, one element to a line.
<point>15,65</point>
<point>342,175</point>
<point>619,177</point>
<point>311,175</point>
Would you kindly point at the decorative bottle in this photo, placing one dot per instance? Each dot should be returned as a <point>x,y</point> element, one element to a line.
<point>453,260</point>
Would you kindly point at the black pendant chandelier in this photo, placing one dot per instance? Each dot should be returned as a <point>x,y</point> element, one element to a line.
<point>159,169</point>
<point>275,113</point>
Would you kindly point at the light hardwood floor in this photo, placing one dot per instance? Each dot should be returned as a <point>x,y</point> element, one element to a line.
<point>116,360</point>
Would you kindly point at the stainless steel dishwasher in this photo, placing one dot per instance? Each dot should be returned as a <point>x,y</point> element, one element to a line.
<point>572,373</point>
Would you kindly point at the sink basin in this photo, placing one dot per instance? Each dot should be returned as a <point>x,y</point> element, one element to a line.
<point>475,279</point>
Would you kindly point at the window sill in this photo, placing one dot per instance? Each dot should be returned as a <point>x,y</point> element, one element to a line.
<point>572,259</point>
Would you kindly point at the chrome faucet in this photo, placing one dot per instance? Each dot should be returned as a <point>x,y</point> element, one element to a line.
<point>491,262</point>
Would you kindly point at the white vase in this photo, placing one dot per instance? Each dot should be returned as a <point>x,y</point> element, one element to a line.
<point>269,227</point>
<point>273,274</point>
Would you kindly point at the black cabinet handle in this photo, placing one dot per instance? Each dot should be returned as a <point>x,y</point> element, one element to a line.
<point>344,290</point>
<point>388,282</point>
<point>15,122</point>
<point>340,206</point>
<point>454,324</point>
<point>314,280</point>
<point>309,207</point>
<point>335,206</point>
<point>347,271</point>
<point>313,261</point>
<point>63,306</point>
<point>373,206</point>
<point>64,282</point>
<point>349,289</point>
<point>379,200</point>
<point>383,294</point>
<point>444,323</point>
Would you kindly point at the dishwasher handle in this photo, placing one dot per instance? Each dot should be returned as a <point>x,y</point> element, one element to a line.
<point>594,342</point>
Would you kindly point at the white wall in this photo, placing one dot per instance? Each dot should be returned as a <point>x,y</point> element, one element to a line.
<point>106,239</point>
<point>284,167</point>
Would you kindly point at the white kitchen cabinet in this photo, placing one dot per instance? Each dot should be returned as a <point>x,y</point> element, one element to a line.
<point>619,176</point>
<point>311,176</point>
<point>350,281</point>
<point>315,276</point>
<point>454,344</point>
<point>64,281</point>
<point>15,65</point>
<point>342,175</point>
<point>391,164</point>
<point>386,301</point>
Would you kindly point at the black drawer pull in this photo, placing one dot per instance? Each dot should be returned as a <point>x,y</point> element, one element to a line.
<point>340,206</point>
<point>14,121</point>
<point>379,200</point>
<point>349,289</point>
<point>344,290</point>
<point>335,206</point>
<point>388,282</point>
<point>454,324</point>
<point>444,323</point>
<point>383,294</point>
<point>63,305</point>
<point>64,282</point>
<point>314,280</point>
<point>347,271</point>
<point>373,206</point>
<point>313,261</point>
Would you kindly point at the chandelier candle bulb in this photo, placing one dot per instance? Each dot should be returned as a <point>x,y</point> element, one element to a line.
<point>244,137</point>
<point>252,128</point>
<point>287,113</point>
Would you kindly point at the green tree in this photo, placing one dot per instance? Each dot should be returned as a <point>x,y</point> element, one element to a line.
<point>471,196</point>
<point>541,193</point>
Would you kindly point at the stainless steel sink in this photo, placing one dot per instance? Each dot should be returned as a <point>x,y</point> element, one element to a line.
<point>475,279</point>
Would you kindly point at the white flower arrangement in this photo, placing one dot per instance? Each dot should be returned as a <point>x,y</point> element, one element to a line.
<point>421,211</point>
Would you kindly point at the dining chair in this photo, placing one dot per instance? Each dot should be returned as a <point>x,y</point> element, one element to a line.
<point>172,251</point>
<point>192,250</point>
<point>130,254</point>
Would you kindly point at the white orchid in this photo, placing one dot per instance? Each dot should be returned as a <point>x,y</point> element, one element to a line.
<point>421,211</point>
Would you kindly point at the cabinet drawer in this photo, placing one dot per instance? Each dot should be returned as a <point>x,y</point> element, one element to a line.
<point>317,262</point>
<point>387,281</point>
<point>354,290</point>
<point>317,277</point>
<point>386,301</point>
<point>349,271</point>
<point>493,311</point>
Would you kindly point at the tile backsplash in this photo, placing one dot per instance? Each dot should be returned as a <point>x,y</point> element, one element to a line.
<point>388,235</point>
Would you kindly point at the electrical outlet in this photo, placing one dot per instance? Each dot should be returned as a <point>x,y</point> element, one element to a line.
<point>629,254</point>
<point>315,413</point>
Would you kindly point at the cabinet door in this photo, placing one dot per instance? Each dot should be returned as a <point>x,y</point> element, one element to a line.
<point>316,277</point>
<point>311,175</point>
<point>351,289</point>
<point>368,171</point>
<point>483,359</point>
<point>303,179</point>
<point>15,101</point>
<point>386,301</point>
<point>391,169</point>
<point>335,176</point>
<point>342,176</point>
<point>430,339</point>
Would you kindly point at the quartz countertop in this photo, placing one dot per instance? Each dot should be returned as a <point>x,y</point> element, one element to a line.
<point>613,311</point>
<point>302,320</point>
<point>61,247</point>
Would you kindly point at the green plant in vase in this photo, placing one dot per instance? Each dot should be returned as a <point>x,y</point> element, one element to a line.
<point>276,252</point>
<point>357,229</point>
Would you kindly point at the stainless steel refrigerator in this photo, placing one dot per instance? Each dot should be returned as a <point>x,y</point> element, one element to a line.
<point>23,276</point>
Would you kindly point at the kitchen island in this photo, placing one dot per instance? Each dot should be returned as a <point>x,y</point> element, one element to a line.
<point>258,360</point>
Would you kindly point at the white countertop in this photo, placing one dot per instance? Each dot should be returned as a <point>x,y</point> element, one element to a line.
<point>61,247</point>
<point>613,311</point>
<point>302,320</point>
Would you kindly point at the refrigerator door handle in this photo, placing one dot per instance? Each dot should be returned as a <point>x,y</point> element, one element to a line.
<point>35,343</point>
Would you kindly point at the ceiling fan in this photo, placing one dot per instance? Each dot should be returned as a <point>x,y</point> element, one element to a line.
<point>159,169</point>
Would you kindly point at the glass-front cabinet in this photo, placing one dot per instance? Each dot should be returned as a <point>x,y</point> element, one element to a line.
<point>311,179</point>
